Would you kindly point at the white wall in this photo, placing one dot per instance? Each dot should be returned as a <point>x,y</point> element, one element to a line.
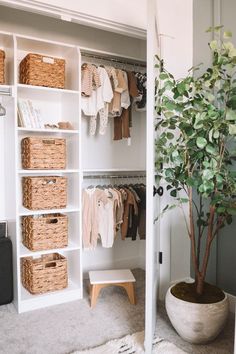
<point>22,22</point>
<point>132,12</point>
<point>117,16</point>
<point>175,23</point>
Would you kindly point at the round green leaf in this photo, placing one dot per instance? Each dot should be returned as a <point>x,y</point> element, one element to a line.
<point>163,76</point>
<point>211,149</point>
<point>216,134</point>
<point>208,174</point>
<point>169,135</point>
<point>201,142</point>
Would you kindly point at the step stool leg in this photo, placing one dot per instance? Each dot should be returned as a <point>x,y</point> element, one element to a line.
<point>129,287</point>
<point>95,290</point>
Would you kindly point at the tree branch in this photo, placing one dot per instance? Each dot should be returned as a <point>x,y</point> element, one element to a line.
<point>200,232</point>
<point>209,241</point>
<point>192,232</point>
<point>220,222</point>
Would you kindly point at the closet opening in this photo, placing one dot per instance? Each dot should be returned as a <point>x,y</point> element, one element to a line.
<point>114,167</point>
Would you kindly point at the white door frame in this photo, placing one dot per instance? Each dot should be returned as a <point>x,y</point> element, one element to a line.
<point>152,230</point>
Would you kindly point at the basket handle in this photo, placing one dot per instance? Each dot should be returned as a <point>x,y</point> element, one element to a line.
<point>48,142</point>
<point>48,60</point>
<point>51,264</point>
<point>52,221</point>
<point>50,181</point>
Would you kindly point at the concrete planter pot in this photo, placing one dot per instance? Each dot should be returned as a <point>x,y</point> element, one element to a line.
<point>196,323</point>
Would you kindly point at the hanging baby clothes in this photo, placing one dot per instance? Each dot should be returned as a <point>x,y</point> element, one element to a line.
<point>98,103</point>
<point>112,76</point>
<point>102,216</point>
<point>115,107</point>
<point>140,104</point>
<point>91,198</point>
<point>123,123</point>
<point>108,211</point>
<point>130,213</point>
<point>133,216</point>
<point>141,191</point>
<point>110,217</point>
<point>90,79</point>
<point>106,220</point>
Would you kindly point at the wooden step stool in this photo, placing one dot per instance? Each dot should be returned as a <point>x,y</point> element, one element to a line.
<point>103,278</point>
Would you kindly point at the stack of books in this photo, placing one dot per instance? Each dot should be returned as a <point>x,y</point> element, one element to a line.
<point>28,115</point>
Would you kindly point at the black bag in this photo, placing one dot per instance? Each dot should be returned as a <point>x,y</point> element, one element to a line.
<point>6,271</point>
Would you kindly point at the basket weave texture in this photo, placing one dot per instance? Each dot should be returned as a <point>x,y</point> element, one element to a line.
<point>47,273</point>
<point>45,232</point>
<point>2,67</point>
<point>39,70</point>
<point>47,192</point>
<point>43,153</point>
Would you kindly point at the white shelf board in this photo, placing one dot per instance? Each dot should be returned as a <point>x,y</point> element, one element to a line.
<point>46,89</point>
<point>25,252</point>
<point>101,170</point>
<point>36,172</point>
<point>6,88</point>
<point>32,302</point>
<point>46,131</point>
<point>69,209</point>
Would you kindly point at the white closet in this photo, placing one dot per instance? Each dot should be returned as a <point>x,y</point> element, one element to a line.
<point>85,155</point>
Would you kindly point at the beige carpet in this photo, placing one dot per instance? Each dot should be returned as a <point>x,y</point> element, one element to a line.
<point>65,328</point>
<point>133,344</point>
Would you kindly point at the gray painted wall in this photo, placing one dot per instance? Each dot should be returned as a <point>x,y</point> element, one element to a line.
<point>222,263</point>
<point>202,20</point>
<point>226,255</point>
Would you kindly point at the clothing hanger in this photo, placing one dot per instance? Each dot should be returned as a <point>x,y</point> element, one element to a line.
<point>84,66</point>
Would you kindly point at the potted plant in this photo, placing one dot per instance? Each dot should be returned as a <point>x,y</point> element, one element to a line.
<point>197,124</point>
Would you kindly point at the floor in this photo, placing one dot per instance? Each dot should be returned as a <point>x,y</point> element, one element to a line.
<point>74,326</point>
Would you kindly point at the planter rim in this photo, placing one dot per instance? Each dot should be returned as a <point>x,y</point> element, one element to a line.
<point>195,303</point>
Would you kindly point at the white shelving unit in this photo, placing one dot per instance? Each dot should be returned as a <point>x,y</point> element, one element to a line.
<point>100,155</point>
<point>55,105</point>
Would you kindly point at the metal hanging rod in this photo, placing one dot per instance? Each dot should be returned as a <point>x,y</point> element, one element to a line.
<point>114,176</point>
<point>140,63</point>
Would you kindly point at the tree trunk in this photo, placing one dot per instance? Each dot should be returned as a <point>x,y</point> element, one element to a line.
<point>201,275</point>
<point>199,284</point>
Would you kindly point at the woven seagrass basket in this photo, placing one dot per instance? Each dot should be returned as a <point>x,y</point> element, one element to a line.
<point>43,153</point>
<point>47,273</point>
<point>45,232</point>
<point>2,67</point>
<point>40,70</point>
<point>46,192</point>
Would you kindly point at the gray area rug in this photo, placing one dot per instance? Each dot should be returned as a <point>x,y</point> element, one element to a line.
<point>65,328</point>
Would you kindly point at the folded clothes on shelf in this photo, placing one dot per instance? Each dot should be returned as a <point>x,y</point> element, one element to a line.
<point>59,125</point>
